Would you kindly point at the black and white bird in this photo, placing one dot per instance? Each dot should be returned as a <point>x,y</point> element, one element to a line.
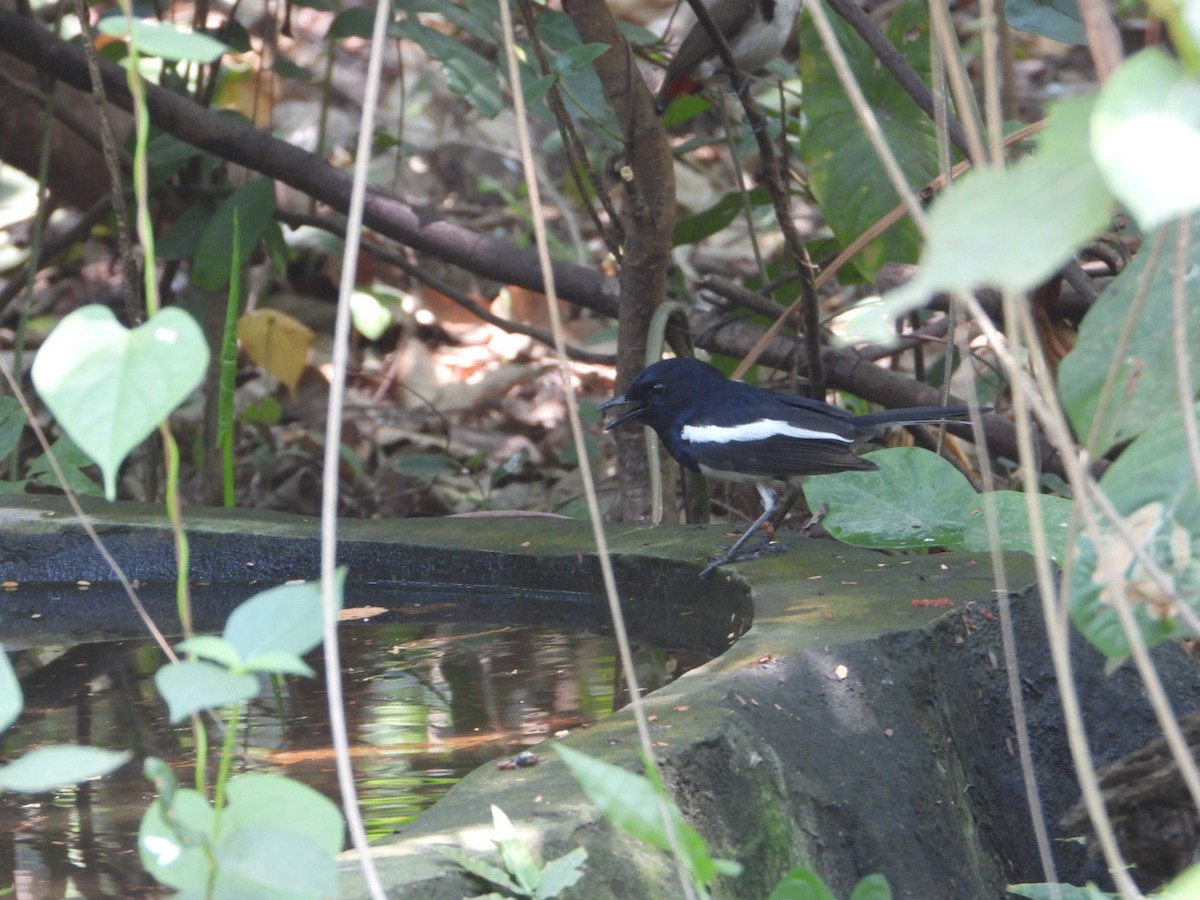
<point>755,30</point>
<point>737,432</point>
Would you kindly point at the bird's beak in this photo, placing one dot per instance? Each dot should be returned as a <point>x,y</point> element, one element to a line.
<point>621,400</point>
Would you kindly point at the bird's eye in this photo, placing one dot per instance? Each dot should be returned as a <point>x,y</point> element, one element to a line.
<point>658,389</point>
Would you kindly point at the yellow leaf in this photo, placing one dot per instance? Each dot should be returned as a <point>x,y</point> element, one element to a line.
<point>276,342</point>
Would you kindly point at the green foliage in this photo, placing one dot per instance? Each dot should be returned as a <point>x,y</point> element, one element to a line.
<point>1124,338</point>
<point>59,765</point>
<point>110,387</point>
<point>1146,137</point>
<point>71,461</point>
<point>12,424</point>
<point>804,884</point>
<point>709,221</point>
<point>636,804</point>
<point>274,838</point>
<point>1152,487</point>
<point>521,876</point>
<point>1047,891</point>
<point>49,767</point>
<point>917,500</point>
<point>163,39</point>
<point>10,694</point>
<point>1040,210</point>
<point>1058,20</point>
<point>845,174</point>
<point>268,633</point>
<point>254,205</point>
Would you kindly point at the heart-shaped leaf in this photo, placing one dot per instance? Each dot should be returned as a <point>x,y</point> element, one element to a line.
<point>110,387</point>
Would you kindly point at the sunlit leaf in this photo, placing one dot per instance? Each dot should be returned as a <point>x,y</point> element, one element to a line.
<point>1040,211</point>
<point>189,686</point>
<point>11,699</point>
<point>801,884</point>
<point>214,649</point>
<point>163,39</point>
<point>276,342</point>
<point>172,839</point>
<point>1146,137</point>
<point>110,387</point>
<point>283,619</point>
<point>58,765</point>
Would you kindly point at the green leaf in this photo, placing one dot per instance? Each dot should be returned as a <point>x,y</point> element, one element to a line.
<point>72,461</point>
<point>59,765</point>
<point>270,861</point>
<point>371,317</point>
<point>1040,210</point>
<point>1058,20</point>
<point>1048,891</point>
<point>1012,523</point>
<point>560,874</point>
<point>514,854</point>
<point>189,686</point>
<point>579,58</point>
<point>12,424</point>
<point>872,887</point>
<point>1146,137</point>
<point>915,500</point>
<point>255,206</point>
<point>707,222</point>
<point>184,237</point>
<point>358,21</point>
<point>110,387</point>
<point>467,73</point>
<point>423,465</point>
<point>845,174</point>
<point>1152,488</point>
<point>801,884</point>
<point>164,40</point>
<point>632,803</point>
<point>283,619</point>
<point>278,662</point>
<point>262,800</point>
<point>166,155</point>
<point>1143,372</point>
<point>278,838</point>
<point>214,649</point>
<point>11,699</point>
<point>172,840</point>
<point>481,869</point>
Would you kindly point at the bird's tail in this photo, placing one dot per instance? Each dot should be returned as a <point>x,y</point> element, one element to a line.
<point>919,415</point>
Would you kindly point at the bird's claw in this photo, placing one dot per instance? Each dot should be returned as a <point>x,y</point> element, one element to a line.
<point>743,553</point>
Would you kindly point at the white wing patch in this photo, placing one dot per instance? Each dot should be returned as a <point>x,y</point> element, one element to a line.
<point>759,430</point>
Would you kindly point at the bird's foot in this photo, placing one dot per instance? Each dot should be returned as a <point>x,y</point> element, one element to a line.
<point>738,554</point>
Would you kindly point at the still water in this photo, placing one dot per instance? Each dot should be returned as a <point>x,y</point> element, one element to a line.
<point>426,703</point>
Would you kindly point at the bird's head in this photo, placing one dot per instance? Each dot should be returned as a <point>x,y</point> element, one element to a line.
<point>664,391</point>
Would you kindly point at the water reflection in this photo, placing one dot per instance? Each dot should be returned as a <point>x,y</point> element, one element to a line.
<point>425,703</point>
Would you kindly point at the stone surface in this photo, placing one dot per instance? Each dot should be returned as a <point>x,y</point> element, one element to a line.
<point>902,762</point>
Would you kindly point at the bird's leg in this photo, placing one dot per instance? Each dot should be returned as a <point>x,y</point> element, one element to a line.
<point>790,498</point>
<point>770,500</point>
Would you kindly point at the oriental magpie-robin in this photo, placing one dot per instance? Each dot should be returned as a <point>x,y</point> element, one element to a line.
<point>737,432</point>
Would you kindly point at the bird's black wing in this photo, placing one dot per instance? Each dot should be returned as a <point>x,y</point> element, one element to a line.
<point>754,434</point>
